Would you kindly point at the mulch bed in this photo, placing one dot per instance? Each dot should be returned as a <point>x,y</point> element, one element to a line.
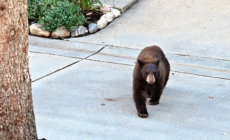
<point>91,16</point>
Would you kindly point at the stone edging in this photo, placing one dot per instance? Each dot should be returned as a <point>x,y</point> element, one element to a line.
<point>109,15</point>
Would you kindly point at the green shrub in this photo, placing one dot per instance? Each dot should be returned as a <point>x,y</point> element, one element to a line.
<point>62,13</point>
<point>37,8</point>
<point>56,13</point>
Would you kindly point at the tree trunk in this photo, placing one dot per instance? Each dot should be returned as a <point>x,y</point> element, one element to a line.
<point>17,121</point>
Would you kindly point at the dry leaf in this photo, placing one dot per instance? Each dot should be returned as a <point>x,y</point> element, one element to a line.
<point>89,13</point>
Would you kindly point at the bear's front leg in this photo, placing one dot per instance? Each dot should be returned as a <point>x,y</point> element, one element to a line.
<point>140,102</point>
<point>156,94</point>
<point>148,93</point>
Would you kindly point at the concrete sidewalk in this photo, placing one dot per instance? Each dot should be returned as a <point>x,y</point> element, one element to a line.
<point>82,88</point>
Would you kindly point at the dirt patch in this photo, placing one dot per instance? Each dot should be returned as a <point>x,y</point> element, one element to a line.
<point>91,16</point>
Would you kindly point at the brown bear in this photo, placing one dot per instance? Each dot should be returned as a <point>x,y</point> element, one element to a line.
<point>150,76</point>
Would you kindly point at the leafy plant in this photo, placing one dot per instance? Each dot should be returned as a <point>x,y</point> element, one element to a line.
<point>37,8</point>
<point>56,13</point>
<point>89,4</point>
<point>62,13</point>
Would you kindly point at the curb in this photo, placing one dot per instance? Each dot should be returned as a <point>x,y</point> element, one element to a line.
<point>123,5</point>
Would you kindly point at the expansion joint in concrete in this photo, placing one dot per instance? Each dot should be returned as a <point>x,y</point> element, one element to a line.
<point>110,62</point>
<point>67,65</point>
<point>201,75</point>
<point>56,71</point>
<point>95,53</point>
<point>170,71</point>
<point>55,54</point>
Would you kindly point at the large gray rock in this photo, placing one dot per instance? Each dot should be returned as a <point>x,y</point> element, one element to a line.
<point>92,28</point>
<point>61,32</point>
<point>116,12</point>
<point>102,23</point>
<point>37,29</point>
<point>109,16</point>
<point>79,31</point>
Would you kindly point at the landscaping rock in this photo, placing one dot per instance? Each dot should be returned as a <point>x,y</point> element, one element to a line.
<point>92,28</point>
<point>102,23</point>
<point>81,30</point>
<point>37,29</point>
<point>109,16</point>
<point>116,12</point>
<point>61,32</point>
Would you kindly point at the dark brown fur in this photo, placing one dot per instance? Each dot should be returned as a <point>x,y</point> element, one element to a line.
<point>150,60</point>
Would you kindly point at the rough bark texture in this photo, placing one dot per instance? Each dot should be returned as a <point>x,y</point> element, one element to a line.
<point>17,121</point>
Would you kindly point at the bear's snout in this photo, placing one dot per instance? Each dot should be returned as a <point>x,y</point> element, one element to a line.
<point>150,79</point>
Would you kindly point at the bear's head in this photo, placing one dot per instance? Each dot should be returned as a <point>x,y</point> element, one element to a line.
<point>149,69</point>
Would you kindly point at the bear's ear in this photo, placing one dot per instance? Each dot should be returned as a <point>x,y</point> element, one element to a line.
<point>140,62</point>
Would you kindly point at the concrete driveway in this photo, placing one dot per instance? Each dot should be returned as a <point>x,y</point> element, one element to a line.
<point>82,88</point>
<point>191,27</point>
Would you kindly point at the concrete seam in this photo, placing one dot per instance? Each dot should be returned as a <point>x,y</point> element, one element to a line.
<point>170,70</point>
<point>202,67</point>
<point>109,62</point>
<point>198,56</point>
<point>56,71</point>
<point>108,45</point>
<point>67,65</point>
<point>55,55</point>
<point>201,75</point>
<point>94,53</point>
<point>133,58</point>
<point>182,64</point>
<point>86,58</point>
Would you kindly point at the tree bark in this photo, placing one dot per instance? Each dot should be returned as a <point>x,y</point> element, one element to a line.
<point>17,121</point>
